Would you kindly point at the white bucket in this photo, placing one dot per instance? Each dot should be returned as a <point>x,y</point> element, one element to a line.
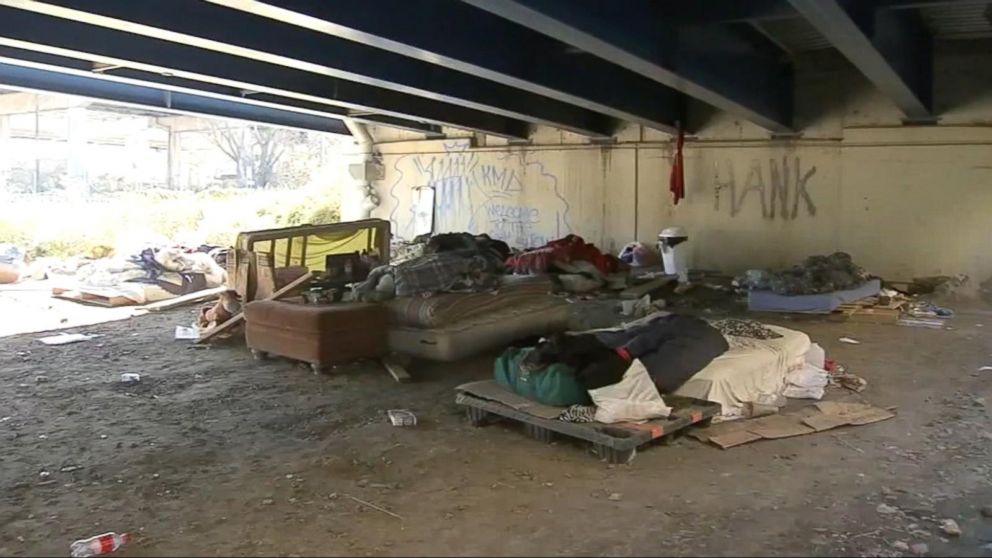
<point>674,253</point>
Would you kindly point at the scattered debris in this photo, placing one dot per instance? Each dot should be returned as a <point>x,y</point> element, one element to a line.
<point>886,509</point>
<point>268,502</point>
<point>191,333</point>
<point>66,338</point>
<point>375,507</point>
<point>70,468</point>
<point>849,341</point>
<point>925,309</point>
<point>615,497</point>
<point>901,546</point>
<point>985,368</point>
<point>130,378</point>
<point>921,322</point>
<point>41,379</point>
<point>98,545</point>
<point>755,410</point>
<point>950,528</point>
<point>402,417</point>
<point>852,382</point>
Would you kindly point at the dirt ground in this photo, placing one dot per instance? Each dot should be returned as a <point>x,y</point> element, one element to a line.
<point>214,454</point>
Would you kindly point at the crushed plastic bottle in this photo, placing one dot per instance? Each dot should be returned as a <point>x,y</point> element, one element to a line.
<point>98,545</point>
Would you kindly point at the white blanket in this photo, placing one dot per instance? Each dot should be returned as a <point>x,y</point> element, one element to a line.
<point>751,369</point>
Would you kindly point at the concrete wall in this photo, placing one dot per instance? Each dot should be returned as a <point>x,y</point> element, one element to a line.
<point>905,201</point>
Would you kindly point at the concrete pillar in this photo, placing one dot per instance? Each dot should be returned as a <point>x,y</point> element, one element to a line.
<point>77,180</point>
<point>175,150</point>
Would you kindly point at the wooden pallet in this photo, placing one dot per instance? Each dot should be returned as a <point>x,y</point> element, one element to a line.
<point>615,443</point>
<point>93,299</point>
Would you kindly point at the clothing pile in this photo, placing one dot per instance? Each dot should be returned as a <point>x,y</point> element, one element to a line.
<point>579,266</point>
<point>454,262</point>
<point>624,371</point>
<point>154,273</point>
<point>11,263</point>
<point>638,254</point>
<point>816,275</point>
<point>205,260</point>
<point>569,249</point>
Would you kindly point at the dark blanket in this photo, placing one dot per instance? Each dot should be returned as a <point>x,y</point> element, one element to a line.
<point>672,347</point>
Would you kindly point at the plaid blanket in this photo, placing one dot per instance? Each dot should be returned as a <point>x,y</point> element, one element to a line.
<point>446,271</point>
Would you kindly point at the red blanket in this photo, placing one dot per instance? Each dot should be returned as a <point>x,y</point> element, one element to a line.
<point>569,249</point>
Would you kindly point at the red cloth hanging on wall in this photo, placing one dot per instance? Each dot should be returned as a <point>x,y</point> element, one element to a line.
<point>676,183</point>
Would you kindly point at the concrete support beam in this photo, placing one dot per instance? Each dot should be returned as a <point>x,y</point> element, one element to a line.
<point>268,43</point>
<point>482,46</point>
<point>54,80</point>
<point>713,65</point>
<point>26,30</point>
<point>892,48</point>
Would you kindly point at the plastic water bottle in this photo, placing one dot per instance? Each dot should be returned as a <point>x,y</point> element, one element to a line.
<point>100,544</point>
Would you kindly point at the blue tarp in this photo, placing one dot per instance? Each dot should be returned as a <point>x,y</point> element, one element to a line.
<point>767,301</point>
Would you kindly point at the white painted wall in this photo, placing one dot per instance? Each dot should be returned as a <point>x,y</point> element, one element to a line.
<point>905,201</point>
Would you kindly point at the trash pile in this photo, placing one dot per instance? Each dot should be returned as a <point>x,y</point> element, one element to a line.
<point>816,275</point>
<point>154,274</point>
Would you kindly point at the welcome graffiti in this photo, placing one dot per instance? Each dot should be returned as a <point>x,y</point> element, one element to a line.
<point>505,196</point>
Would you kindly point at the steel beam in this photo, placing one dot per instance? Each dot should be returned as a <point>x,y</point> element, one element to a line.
<point>270,42</point>
<point>159,81</point>
<point>33,31</point>
<point>892,48</point>
<point>713,65</point>
<point>71,83</point>
<point>482,46</point>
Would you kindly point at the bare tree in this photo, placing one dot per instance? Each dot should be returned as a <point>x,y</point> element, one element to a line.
<point>255,150</point>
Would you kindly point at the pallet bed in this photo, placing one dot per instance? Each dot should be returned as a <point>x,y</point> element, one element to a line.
<point>616,443</point>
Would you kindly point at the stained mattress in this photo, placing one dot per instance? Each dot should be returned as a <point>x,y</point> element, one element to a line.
<point>750,369</point>
<point>496,328</point>
<point>452,308</point>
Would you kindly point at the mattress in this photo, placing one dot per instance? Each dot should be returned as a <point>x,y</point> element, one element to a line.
<point>767,301</point>
<point>495,329</point>
<point>752,368</point>
<point>450,308</point>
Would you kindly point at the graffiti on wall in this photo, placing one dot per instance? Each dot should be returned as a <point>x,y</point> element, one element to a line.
<point>785,193</point>
<point>509,196</point>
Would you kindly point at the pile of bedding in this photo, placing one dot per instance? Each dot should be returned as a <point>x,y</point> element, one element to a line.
<point>624,373</point>
<point>156,273</point>
<point>454,262</point>
<point>819,285</point>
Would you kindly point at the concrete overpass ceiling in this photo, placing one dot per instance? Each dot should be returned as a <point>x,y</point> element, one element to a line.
<point>497,67</point>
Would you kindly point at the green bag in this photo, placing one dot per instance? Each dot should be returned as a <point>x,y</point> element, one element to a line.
<point>554,385</point>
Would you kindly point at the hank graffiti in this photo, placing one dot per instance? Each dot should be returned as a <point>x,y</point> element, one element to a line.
<point>489,196</point>
<point>780,196</point>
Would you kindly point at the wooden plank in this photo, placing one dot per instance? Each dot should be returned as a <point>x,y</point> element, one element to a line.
<point>645,288</point>
<point>240,316</point>
<point>396,370</point>
<point>190,298</point>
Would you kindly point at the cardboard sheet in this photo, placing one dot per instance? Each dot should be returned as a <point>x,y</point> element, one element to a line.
<point>489,389</point>
<point>824,415</point>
